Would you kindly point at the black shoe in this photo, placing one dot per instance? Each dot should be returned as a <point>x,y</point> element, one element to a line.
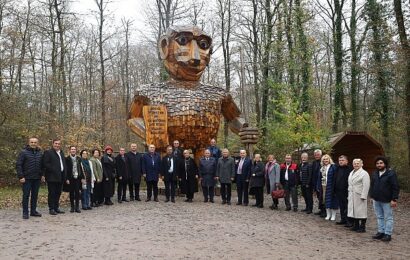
<point>35,214</point>
<point>309,212</point>
<point>156,200</point>
<point>212,201</point>
<point>348,225</point>
<point>25,216</point>
<point>187,200</point>
<point>323,215</point>
<point>295,210</point>
<point>205,201</point>
<point>386,238</point>
<point>254,205</point>
<point>148,199</point>
<point>304,210</point>
<point>77,210</point>
<point>318,213</point>
<point>342,222</point>
<point>361,230</point>
<point>238,203</point>
<point>125,200</point>
<point>89,208</point>
<point>260,206</point>
<point>84,208</point>
<point>132,199</point>
<point>59,211</point>
<point>378,235</point>
<point>223,202</point>
<point>229,203</point>
<point>72,210</point>
<point>52,212</point>
<point>173,200</point>
<point>245,204</point>
<point>288,209</point>
<point>138,199</point>
<point>190,200</point>
<point>119,201</point>
<point>167,200</point>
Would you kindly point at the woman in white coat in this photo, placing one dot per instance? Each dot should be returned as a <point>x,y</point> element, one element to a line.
<point>359,185</point>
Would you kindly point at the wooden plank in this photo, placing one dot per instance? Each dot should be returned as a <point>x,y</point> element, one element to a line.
<point>156,125</point>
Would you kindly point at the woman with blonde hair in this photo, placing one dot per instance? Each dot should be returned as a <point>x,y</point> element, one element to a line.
<point>327,172</point>
<point>359,185</point>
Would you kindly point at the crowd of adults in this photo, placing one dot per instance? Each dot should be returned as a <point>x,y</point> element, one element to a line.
<point>91,177</point>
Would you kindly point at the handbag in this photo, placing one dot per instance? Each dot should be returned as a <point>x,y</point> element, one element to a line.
<point>278,194</point>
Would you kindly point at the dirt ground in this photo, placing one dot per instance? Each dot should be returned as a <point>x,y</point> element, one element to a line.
<point>158,230</point>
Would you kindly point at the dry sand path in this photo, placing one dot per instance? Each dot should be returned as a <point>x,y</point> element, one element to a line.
<point>140,230</point>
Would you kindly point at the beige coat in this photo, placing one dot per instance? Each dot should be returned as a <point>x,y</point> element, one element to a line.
<point>359,185</point>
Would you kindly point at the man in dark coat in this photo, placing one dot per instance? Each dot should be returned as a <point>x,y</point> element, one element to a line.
<point>74,177</point>
<point>121,166</point>
<point>289,178</point>
<point>340,188</point>
<point>55,171</point>
<point>169,174</point>
<point>316,182</point>
<point>242,176</point>
<point>207,175</point>
<point>29,172</point>
<point>135,171</point>
<point>305,170</point>
<point>257,181</point>
<point>225,173</point>
<point>215,151</point>
<point>384,190</point>
<point>188,176</point>
<point>177,150</point>
<point>108,165</point>
<point>151,168</point>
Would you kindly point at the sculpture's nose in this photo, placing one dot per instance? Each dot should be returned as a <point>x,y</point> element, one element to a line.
<point>195,58</point>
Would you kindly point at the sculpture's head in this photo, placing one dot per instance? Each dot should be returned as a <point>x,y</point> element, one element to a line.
<point>185,51</point>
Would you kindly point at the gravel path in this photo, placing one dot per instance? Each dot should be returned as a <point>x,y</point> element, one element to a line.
<point>140,230</point>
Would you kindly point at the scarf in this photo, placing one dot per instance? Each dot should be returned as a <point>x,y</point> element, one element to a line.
<point>86,167</point>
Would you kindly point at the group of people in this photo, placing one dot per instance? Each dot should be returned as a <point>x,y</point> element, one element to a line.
<point>90,178</point>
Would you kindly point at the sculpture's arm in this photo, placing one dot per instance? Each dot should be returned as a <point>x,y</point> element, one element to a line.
<point>232,113</point>
<point>135,117</point>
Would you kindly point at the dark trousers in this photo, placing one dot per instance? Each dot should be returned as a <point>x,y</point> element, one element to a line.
<point>75,193</point>
<point>242,187</point>
<point>308,196</point>
<point>30,187</point>
<point>122,189</point>
<point>170,189</point>
<point>97,196</point>
<point>226,190</point>
<point>208,192</point>
<point>321,205</point>
<point>152,186</point>
<point>189,195</point>
<point>259,196</point>
<point>291,192</point>
<point>130,184</point>
<point>136,191</point>
<point>342,198</point>
<point>54,193</point>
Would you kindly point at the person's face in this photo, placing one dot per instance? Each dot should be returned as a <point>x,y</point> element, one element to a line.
<point>151,148</point>
<point>380,165</point>
<point>122,151</point>
<point>357,165</point>
<point>96,154</point>
<point>33,143</point>
<point>257,157</point>
<point>133,147</point>
<point>57,145</point>
<point>317,156</point>
<point>326,160</point>
<point>225,153</point>
<point>207,153</point>
<point>288,159</point>
<point>242,154</point>
<point>84,155</point>
<point>213,142</point>
<point>169,150</point>
<point>109,151</point>
<point>270,159</point>
<point>342,161</point>
<point>176,144</point>
<point>186,154</point>
<point>304,158</point>
<point>73,151</point>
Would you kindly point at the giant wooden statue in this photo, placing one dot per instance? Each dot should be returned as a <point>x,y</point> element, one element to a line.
<point>183,108</point>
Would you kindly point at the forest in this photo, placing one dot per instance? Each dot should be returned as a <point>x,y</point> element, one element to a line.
<point>299,70</point>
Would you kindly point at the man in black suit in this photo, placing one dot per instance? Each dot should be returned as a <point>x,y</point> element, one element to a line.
<point>55,172</point>
<point>169,174</point>
<point>242,176</point>
<point>135,172</point>
<point>121,166</point>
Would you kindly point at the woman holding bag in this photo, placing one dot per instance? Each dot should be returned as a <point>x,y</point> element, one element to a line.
<point>272,178</point>
<point>87,182</point>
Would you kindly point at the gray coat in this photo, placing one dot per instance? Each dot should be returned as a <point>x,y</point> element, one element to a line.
<point>225,169</point>
<point>273,176</point>
<point>207,171</point>
<point>359,185</point>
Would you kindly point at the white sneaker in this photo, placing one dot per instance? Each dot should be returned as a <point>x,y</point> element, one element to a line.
<point>333,218</point>
<point>328,214</point>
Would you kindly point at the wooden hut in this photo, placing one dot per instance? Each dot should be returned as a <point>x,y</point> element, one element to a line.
<point>353,145</point>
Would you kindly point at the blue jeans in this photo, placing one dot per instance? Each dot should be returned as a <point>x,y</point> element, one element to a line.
<point>384,215</point>
<point>30,187</point>
<point>85,196</point>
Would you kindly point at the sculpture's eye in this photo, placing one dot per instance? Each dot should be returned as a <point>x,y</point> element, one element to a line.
<point>204,44</point>
<point>182,40</point>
